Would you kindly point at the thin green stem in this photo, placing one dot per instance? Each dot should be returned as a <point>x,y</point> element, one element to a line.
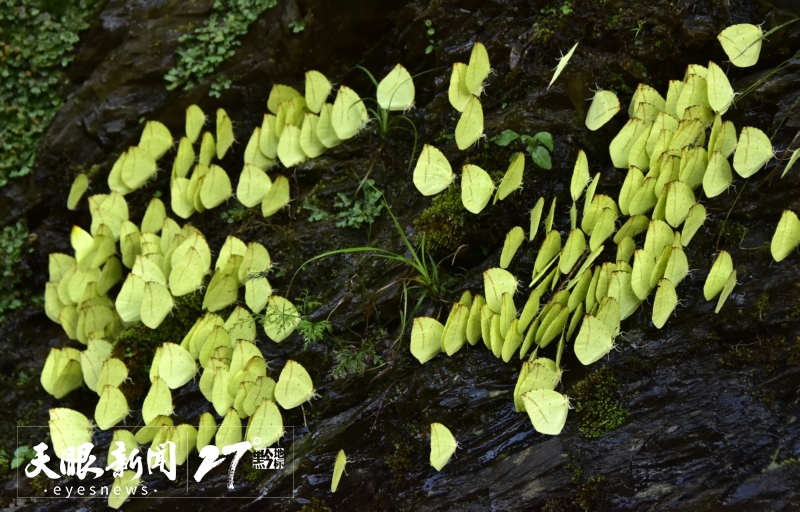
<point>416,138</point>
<point>783,65</point>
<point>721,229</point>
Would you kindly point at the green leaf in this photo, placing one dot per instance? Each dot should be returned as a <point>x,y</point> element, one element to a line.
<point>545,138</point>
<point>541,157</point>
<point>505,138</point>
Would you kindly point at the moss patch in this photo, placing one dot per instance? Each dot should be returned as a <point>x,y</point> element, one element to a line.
<point>38,38</point>
<point>590,493</point>
<point>13,292</point>
<point>732,233</point>
<point>315,505</point>
<point>399,462</point>
<point>446,224</point>
<point>204,49</point>
<point>598,408</point>
<point>761,307</point>
<point>772,354</point>
<point>137,345</point>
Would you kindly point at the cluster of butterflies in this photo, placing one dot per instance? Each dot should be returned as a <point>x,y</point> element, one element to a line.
<point>234,380</point>
<point>166,261</point>
<point>664,138</point>
<point>304,127</point>
<point>297,128</point>
<point>433,172</point>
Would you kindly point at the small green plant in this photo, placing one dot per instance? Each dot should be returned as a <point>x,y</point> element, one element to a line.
<point>733,233</point>
<point>426,270</point>
<point>312,332</point>
<point>234,214</point>
<point>352,360</point>
<point>297,26</point>
<point>762,306</point>
<point>21,455</point>
<point>204,49</point>
<point>425,278</point>
<point>12,294</point>
<point>355,212</point>
<point>433,43</point>
<point>539,146</point>
<point>23,379</point>
<point>636,31</point>
<point>220,84</point>
<point>312,205</point>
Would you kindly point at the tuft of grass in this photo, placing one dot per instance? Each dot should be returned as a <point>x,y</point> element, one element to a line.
<point>204,49</point>
<point>38,39</point>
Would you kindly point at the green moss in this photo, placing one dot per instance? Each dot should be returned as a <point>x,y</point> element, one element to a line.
<point>253,475</point>
<point>599,410</point>
<point>238,214</point>
<point>590,493</point>
<point>761,307</point>
<point>137,345</point>
<point>772,355</point>
<point>315,505</point>
<point>204,49</point>
<point>13,293</point>
<point>446,224</point>
<point>399,462</point>
<point>732,233</point>
<point>38,38</point>
<point>642,69</point>
<point>542,32</point>
<point>616,82</point>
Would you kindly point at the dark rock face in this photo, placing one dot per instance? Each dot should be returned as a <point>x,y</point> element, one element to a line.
<point>713,399</point>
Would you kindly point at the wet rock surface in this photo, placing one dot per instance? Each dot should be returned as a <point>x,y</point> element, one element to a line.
<point>712,399</point>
